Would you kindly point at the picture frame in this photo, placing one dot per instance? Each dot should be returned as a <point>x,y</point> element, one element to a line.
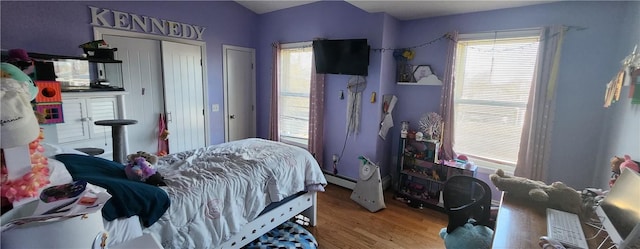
<point>421,71</point>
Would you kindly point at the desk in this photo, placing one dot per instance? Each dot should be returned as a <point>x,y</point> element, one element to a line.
<point>520,223</point>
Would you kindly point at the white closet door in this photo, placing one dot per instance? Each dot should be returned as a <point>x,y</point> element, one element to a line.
<point>184,96</point>
<point>142,79</point>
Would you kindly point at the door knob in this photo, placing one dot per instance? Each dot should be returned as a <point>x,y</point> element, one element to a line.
<point>232,116</point>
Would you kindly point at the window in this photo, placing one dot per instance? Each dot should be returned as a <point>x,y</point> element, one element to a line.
<point>493,79</point>
<point>293,97</point>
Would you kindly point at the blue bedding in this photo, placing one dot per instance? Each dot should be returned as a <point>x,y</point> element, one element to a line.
<point>128,197</point>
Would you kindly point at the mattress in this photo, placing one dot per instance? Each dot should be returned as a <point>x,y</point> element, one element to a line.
<point>215,191</point>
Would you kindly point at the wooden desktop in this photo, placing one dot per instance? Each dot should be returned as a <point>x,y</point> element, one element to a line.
<point>520,223</point>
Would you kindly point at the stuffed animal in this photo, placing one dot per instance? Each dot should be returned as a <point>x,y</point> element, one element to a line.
<point>141,168</point>
<point>557,195</point>
<point>615,169</point>
<point>467,236</point>
<point>151,158</point>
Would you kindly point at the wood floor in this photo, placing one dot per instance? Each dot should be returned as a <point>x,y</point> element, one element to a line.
<point>342,223</point>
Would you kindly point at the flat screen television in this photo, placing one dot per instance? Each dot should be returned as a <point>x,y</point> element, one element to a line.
<point>619,211</point>
<point>349,56</point>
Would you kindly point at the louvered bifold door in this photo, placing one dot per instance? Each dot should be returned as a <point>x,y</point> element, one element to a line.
<point>76,121</point>
<point>101,109</point>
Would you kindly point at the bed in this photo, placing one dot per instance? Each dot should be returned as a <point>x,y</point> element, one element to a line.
<point>224,196</point>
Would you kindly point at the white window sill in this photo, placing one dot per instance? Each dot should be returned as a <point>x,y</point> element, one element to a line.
<point>487,167</point>
<point>289,142</point>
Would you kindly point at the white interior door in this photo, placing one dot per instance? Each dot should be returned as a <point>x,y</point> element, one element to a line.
<point>184,96</point>
<point>142,79</point>
<point>240,93</point>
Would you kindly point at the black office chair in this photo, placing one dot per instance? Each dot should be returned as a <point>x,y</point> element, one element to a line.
<point>467,197</point>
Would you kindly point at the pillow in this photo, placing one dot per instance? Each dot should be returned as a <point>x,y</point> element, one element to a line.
<point>128,197</point>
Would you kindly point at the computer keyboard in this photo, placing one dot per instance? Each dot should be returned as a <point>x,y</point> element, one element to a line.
<point>565,228</point>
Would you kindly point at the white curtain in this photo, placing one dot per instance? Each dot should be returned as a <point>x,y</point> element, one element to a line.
<point>533,157</point>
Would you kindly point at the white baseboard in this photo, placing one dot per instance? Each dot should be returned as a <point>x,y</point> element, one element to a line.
<point>340,181</point>
<point>386,182</point>
<point>349,183</point>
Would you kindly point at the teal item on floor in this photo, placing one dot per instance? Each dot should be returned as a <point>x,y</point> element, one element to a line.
<point>286,235</point>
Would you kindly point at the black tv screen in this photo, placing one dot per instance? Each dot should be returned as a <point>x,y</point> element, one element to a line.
<point>349,57</point>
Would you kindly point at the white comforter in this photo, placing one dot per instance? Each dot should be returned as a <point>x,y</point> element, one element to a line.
<point>216,190</point>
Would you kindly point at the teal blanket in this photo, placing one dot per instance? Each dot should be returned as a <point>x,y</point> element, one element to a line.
<point>128,197</point>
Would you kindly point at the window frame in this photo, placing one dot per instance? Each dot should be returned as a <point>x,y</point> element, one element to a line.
<point>294,45</point>
<point>482,162</point>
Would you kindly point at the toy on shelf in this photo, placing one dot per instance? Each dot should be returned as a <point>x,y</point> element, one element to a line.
<point>431,124</point>
<point>98,49</point>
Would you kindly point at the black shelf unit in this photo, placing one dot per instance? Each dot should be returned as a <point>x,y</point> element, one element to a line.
<point>98,71</point>
<point>421,176</point>
<point>52,57</point>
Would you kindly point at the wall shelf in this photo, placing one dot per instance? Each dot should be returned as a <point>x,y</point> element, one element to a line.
<point>431,80</point>
<point>416,84</point>
<point>58,57</point>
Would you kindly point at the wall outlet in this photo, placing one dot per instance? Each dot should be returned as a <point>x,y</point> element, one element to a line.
<point>335,158</point>
<point>215,107</point>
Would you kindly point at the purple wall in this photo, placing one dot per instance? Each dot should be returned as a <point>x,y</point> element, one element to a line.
<point>59,27</point>
<point>589,59</point>
<point>385,148</point>
<point>585,135</point>
<point>621,133</point>
<point>330,20</point>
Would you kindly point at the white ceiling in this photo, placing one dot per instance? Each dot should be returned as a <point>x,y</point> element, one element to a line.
<point>402,10</point>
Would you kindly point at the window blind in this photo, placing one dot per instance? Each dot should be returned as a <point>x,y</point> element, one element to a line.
<point>493,78</point>
<point>293,97</point>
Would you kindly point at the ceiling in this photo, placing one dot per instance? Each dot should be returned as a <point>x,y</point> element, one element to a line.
<point>402,10</point>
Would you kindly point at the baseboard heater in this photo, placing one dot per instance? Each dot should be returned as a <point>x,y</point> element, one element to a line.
<point>349,183</point>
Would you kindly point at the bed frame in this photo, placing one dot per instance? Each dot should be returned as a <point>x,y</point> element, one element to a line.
<point>305,204</point>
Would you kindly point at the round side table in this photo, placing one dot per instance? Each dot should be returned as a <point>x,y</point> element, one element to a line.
<point>117,134</point>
